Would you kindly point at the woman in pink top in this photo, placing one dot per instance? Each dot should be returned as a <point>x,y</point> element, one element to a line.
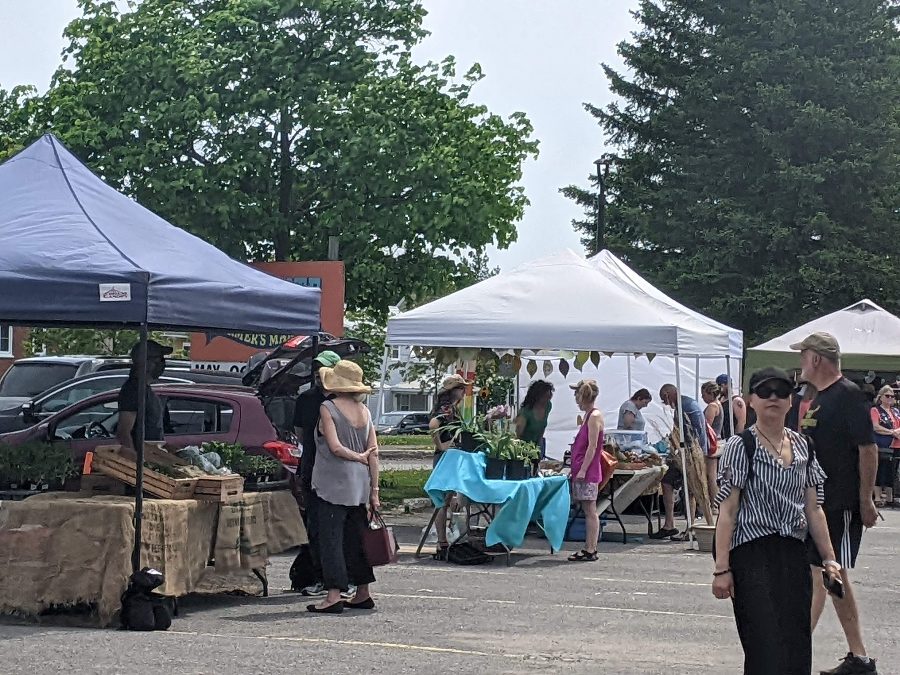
<point>586,472</point>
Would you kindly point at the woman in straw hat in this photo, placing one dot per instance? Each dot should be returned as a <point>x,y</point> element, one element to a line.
<point>345,480</point>
<point>445,413</point>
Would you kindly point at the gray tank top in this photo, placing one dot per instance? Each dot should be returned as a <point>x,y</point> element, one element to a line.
<point>336,480</point>
<point>717,422</point>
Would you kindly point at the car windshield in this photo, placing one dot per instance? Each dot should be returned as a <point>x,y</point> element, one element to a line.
<point>390,419</point>
<point>30,379</point>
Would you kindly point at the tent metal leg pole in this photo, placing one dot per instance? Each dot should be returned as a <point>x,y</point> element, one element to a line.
<point>628,358</point>
<point>728,412</point>
<point>679,410</point>
<point>139,422</point>
<point>697,380</point>
<point>384,363</point>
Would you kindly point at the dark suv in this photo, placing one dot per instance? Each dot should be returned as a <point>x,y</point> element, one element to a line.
<point>413,423</point>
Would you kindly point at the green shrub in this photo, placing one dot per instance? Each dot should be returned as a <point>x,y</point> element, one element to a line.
<point>399,485</point>
<point>422,440</point>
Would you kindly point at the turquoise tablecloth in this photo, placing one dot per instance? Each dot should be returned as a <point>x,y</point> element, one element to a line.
<point>542,500</point>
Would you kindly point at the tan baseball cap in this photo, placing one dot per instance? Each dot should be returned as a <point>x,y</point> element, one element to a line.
<point>821,343</point>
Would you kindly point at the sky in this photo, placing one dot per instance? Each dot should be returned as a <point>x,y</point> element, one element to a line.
<point>542,58</point>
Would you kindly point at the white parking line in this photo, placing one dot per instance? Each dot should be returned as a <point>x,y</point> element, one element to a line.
<point>630,610</point>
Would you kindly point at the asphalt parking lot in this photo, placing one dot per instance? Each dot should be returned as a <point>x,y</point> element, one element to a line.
<point>642,608</point>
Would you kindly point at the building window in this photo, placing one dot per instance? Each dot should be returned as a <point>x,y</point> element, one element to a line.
<point>395,353</point>
<point>405,402</point>
<point>6,339</point>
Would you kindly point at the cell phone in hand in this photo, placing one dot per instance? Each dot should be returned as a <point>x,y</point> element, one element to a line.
<point>834,587</point>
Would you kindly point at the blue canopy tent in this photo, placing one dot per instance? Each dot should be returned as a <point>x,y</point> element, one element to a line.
<point>75,252</point>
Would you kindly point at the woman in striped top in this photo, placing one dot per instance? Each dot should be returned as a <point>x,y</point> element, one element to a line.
<point>770,495</point>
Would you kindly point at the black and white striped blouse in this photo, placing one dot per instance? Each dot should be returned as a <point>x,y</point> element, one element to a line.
<point>773,502</point>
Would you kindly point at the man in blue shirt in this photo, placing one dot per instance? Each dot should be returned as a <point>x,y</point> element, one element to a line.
<point>694,427</point>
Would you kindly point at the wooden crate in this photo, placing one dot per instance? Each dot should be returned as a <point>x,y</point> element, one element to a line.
<point>223,489</point>
<point>99,484</point>
<point>118,463</point>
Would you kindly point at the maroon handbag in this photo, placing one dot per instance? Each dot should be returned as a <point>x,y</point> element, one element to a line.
<point>379,544</point>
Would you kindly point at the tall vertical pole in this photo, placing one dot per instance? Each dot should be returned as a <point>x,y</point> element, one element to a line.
<point>384,364</point>
<point>139,430</point>
<point>600,210</point>
<point>679,410</point>
<point>729,413</point>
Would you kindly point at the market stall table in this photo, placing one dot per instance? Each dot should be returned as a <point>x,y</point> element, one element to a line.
<point>64,550</point>
<point>544,501</point>
<point>626,486</point>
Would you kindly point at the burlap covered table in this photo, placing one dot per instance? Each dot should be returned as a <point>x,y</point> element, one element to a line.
<point>61,549</point>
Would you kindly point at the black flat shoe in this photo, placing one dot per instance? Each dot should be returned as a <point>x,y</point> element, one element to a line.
<point>336,608</point>
<point>663,533</point>
<point>368,603</point>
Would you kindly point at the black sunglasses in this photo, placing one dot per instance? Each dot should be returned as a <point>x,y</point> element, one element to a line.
<point>780,389</point>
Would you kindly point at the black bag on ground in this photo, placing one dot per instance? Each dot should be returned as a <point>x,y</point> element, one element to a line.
<point>303,572</point>
<point>141,608</point>
<point>463,553</point>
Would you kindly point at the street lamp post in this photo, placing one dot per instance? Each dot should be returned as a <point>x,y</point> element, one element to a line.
<point>602,165</point>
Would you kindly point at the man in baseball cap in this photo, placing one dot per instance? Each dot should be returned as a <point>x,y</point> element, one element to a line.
<point>823,344</point>
<point>839,424</point>
<point>129,394</point>
<point>733,406</point>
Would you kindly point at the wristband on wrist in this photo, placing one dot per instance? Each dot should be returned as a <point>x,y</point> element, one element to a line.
<point>722,573</point>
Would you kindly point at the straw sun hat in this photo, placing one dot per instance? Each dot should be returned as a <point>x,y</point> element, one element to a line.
<point>453,382</point>
<point>345,378</point>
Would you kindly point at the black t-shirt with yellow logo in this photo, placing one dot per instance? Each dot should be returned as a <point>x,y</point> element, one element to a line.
<point>838,421</point>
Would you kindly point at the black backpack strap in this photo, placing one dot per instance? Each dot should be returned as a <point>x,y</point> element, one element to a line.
<point>750,449</point>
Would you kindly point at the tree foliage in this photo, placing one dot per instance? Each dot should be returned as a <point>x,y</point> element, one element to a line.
<point>87,341</point>
<point>756,170</point>
<point>267,126</point>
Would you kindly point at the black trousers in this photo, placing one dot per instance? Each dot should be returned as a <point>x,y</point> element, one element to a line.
<point>772,601</point>
<point>340,545</point>
<point>311,521</point>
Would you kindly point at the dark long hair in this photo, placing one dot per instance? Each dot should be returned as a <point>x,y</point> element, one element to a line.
<point>442,401</point>
<point>535,392</point>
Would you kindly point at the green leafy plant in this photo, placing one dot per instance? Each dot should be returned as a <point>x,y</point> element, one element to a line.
<point>35,463</point>
<point>235,458</point>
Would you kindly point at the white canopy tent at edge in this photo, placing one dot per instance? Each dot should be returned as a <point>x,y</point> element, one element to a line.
<point>869,337</point>
<point>566,302</point>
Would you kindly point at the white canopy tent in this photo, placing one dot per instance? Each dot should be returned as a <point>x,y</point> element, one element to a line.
<point>564,302</point>
<point>614,268</point>
<point>561,302</point>
<point>869,337</point>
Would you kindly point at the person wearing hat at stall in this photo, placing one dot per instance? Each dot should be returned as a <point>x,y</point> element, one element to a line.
<point>445,413</point>
<point>734,408</point>
<point>306,419</point>
<point>769,501</point>
<point>839,423</point>
<point>154,429</point>
<point>345,482</point>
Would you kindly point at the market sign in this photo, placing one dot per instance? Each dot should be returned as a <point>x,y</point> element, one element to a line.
<point>255,340</point>
<point>237,347</point>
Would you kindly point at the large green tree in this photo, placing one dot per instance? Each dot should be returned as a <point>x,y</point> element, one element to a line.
<point>757,156</point>
<point>268,126</point>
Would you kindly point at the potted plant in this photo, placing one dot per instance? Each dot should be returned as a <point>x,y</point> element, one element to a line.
<point>520,456</point>
<point>466,433</point>
<point>496,448</point>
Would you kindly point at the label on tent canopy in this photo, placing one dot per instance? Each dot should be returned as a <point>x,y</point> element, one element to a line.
<point>115,292</point>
